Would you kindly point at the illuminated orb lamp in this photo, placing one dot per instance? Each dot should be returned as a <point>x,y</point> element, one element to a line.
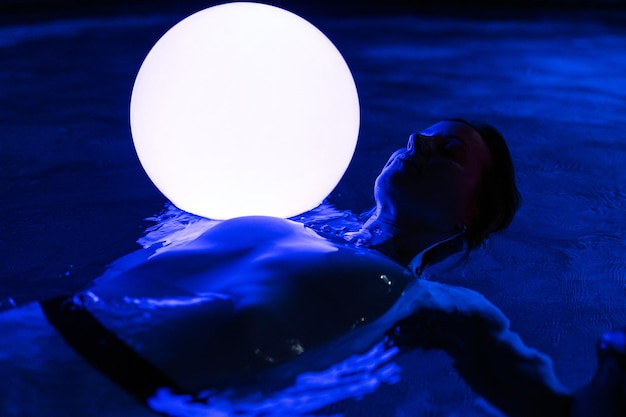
<point>244,109</point>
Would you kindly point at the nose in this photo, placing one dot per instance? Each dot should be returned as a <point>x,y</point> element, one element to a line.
<point>418,143</point>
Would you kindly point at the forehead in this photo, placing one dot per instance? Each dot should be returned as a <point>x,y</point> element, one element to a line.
<point>470,137</point>
<point>452,128</point>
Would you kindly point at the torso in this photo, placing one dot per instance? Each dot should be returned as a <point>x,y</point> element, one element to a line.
<point>249,293</point>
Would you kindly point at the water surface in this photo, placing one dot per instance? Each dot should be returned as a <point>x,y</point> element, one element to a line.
<point>74,198</point>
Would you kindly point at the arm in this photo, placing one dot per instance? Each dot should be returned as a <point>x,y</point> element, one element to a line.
<point>520,381</point>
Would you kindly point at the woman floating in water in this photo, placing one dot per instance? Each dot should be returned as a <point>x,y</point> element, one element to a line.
<point>261,298</point>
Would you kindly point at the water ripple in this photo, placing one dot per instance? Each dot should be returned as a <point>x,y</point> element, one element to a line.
<point>355,377</point>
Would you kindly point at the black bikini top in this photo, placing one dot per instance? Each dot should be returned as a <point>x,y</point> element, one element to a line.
<point>437,253</point>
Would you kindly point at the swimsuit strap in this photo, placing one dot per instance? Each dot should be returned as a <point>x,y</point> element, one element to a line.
<point>437,253</point>
<point>103,349</point>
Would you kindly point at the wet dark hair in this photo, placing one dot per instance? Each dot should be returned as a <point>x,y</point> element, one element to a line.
<point>497,196</point>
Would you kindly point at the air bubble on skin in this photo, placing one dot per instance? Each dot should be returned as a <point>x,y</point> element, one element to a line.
<point>91,296</point>
<point>359,322</point>
<point>386,280</point>
<point>296,347</point>
<point>263,356</point>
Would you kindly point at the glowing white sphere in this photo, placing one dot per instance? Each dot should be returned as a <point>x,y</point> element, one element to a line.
<point>244,109</point>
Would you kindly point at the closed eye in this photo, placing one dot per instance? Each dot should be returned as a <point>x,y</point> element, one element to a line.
<point>453,148</point>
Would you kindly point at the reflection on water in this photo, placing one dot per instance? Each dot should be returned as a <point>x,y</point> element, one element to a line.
<point>174,227</point>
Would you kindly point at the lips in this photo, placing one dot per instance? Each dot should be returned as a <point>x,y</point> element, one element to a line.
<point>410,161</point>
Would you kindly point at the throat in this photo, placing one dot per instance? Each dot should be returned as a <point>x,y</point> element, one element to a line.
<point>401,248</point>
<point>402,245</point>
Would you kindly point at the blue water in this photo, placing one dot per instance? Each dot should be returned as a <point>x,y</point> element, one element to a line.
<point>353,378</point>
<point>74,197</point>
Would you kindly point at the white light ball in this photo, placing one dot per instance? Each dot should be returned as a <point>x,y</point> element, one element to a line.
<point>244,109</point>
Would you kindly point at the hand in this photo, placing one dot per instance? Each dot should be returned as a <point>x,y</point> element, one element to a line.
<point>605,395</point>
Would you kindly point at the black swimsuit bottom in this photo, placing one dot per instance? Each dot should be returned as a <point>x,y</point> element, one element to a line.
<point>103,349</point>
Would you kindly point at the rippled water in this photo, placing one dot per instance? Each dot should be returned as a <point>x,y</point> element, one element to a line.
<point>73,192</point>
<point>353,378</point>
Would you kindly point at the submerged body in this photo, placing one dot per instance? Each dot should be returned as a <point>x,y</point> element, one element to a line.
<point>259,300</point>
<point>260,308</point>
<point>247,295</point>
<point>262,300</point>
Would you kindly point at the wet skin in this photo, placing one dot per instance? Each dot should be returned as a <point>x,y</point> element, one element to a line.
<point>272,290</point>
<point>262,300</point>
<point>253,293</point>
<point>266,290</point>
<point>430,184</point>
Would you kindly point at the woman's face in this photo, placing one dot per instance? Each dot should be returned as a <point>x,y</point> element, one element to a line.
<point>430,184</point>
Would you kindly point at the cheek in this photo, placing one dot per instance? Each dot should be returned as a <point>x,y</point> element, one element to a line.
<point>393,179</point>
<point>386,187</point>
<point>463,197</point>
<point>452,192</point>
<point>392,191</point>
<point>444,192</point>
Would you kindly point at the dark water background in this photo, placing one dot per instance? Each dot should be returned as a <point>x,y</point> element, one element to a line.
<point>73,197</point>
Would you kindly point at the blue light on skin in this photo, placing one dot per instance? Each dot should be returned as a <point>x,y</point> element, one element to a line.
<point>291,291</point>
<point>272,270</point>
<point>266,267</point>
<point>424,194</point>
<point>281,282</point>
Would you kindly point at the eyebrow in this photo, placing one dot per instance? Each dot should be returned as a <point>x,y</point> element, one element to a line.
<point>459,138</point>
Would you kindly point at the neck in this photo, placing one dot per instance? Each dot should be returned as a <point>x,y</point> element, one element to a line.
<point>399,243</point>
